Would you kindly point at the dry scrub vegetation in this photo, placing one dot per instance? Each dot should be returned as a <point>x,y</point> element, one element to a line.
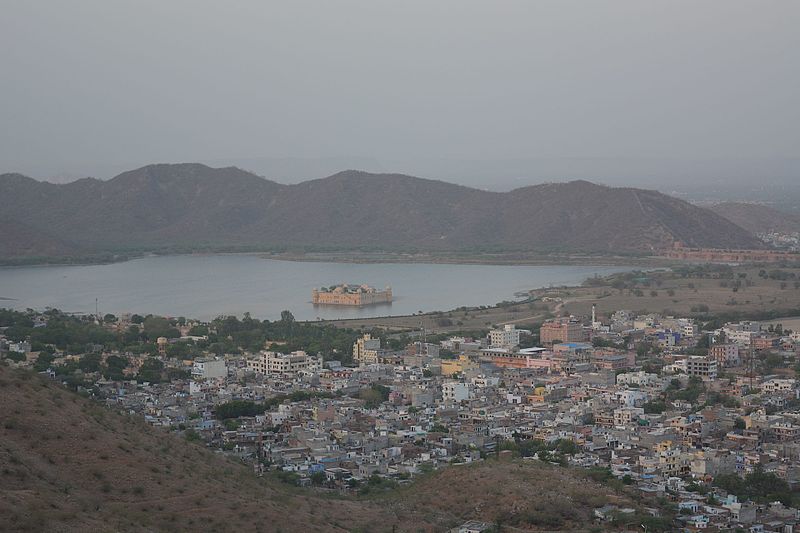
<point>68,464</point>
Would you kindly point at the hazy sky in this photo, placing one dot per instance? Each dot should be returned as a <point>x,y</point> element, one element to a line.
<point>90,85</point>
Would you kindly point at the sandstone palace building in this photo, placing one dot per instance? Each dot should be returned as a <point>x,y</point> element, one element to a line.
<point>355,295</point>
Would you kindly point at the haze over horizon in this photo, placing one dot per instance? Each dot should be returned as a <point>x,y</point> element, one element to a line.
<point>491,95</point>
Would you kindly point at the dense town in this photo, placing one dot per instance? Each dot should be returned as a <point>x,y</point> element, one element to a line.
<point>705,423</point>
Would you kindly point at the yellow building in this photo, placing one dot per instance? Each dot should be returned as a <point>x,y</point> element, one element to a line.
<point>366,350</point>
<point>351,295</point>
<point>458,366</point>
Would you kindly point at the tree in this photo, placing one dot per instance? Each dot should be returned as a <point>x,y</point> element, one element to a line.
<point>156,326</point>
<point>43,361</point>
<point>151,371</point>
<point>237,408</point>
<point>654,407</point>
<point>374,395</point>
<point>771,362</point>
<point>115,365</point>
<point>198,331</point>
<point>567,447</point>
<point>178,350</point>
<point>759,486</point>
<point>90,363</point>
<point>438,427</point>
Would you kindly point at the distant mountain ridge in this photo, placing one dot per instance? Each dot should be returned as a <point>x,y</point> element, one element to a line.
<point>198,207</point>
<point>758,218</point>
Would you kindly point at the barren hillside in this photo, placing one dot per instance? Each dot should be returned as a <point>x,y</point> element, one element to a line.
<point>69,464</point>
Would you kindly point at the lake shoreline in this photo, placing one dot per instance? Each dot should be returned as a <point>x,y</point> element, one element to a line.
<point>351,257</point>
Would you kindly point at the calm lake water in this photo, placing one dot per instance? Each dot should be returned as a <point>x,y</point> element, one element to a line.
<point>206,286</point>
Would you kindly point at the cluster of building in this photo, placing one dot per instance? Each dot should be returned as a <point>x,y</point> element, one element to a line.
<point>585,383</point>
<point>788,241</point>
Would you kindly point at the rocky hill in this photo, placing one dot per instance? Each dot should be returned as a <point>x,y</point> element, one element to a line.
<point>758,218</point>
<point>192,206</point>
<point>69,464</point>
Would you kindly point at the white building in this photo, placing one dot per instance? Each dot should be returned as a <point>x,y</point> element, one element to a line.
<point>779,385</point>
<point>741,332</point>
<point>455,391</point>
<point>273,363</point>
<point>508,337</point>
<point>640,379</point>
<point>631,397</point>
<point>20,347</point>
<point>209,369</point>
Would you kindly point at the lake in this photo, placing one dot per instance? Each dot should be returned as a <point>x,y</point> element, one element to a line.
<point>206,286</point>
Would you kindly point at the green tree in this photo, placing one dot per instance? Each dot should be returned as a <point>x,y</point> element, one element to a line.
<point>156,326</point>
<point>654,407</point>
<point>90,363</point>
<point>115,365</point>
<point>374,395</point>
<point>151,370</point>
<point>237,408</point>
<point>43,361</point>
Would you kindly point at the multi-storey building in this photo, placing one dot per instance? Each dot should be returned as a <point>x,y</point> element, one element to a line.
<point>785,432</point>
<point>741,332</point>
<point>779,386</point>
<point>626,416</point>
<point>762,341</point>
<point>702,366</point>
<point>561,330</point>
<point>640,379</point>
<point>725,354</point>
<point>209,369</point>
<point>366,350</point>
<point>507,337</point>
<point>455,391</point>
<point>273,363</point>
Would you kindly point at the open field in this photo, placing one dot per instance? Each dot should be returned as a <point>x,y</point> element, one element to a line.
<point>463,319</point>
<point>685,290</point>
<point>468,258</point>
<point>671,293</point>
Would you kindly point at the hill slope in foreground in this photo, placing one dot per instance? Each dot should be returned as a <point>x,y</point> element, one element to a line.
<point>195,207</point>
<point>68,464</point>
